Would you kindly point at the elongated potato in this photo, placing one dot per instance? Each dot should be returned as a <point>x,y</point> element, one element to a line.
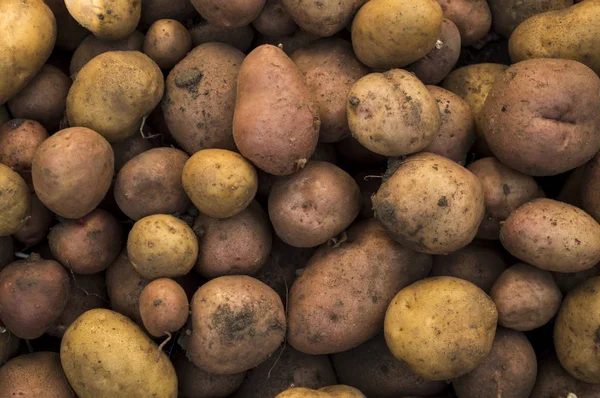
<point>230,14</point>
<point>322,18</point>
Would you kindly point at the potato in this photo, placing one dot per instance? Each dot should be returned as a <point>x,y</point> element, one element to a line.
<point>590,188</point>
<point>526,297</point>
<point>534,125</point>
<point>19,139</point>
<point>507,15</point>
<point>33,293</point>
<point>238,322</point>
<point>164,307</point>
<point>291,132</point>
<point>281,371</point>
<point>472,17</point>
<point>7,251</point>
<point>9,346</point>
<point>342,391</point>
<point>162,246</point>
<point>240,38</point>
<point>167,42</point>
<point>552,236</point>
<point>350,150</point>
<point>126,150</point>
<point>72,171</point>
<point>37,225</point>
<point>288,43</point>
<point>204,85</point>
<point>44,99</point>
<point>231,14</point>
<point>180,10</point>
<point>110,20</point>
<point>568,281</point>
<point>435,66</point>
<point>442,327</point>
<point>150,183</point>
<point>15,202</point>
<point>554,381</point>
<point>133,82</point>
<point>368,182</point>
<point>32,28</point>
<point>392,113</point>
<point>576,332</point>
<point>456,134</point>
<point>422,216</point>
<point>93,46</point>
<point>504,190</point>
<point>390,34</point>
<point>196,383</point>
<point>325,302</point>
<point>322,18</point>
<point>373,369</point>
<point>274,20</point>
<point>70,34</point>
<point>104,354</point>
<point>35,375</point>
<point>301,392</point>
<point>573,35</point>
<point>331,69</point>
<point>314,205</point>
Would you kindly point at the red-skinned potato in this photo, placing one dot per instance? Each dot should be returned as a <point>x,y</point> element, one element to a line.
<point>167,42</point>
<point>164,307</point>
<point>472,17</point>
<point>19,139</point>
<point>322,18</point>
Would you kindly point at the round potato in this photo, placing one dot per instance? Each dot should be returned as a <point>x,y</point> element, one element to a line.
<point>442,327</point>
<point>167,42</point>
<point>179,10</point>
<point>35,375</point>
<point>231,14</point>
<point>472,17</point>
<point>274,20</point>
<point>240,38</point>
<point>162,246</point>
<point>322,18</point>
<point>507,15</point>
<point>111,19</point>
<point>590,188</point>
<point>164,307</point>
<point>196,383</point>
<point>19,139</point>
<point>554,381</point>
<point>15,202</point>
<point>37,225</point>
<point>72,171</point>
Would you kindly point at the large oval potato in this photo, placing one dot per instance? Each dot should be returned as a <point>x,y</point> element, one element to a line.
<point>590,188</point>
<point>29,36</point>
<point>508,14</point>
<point>108,19</point>
<point>15,202</point>
<point>322,18</point>
<point>473,18</point>
<point>104,355</point>
<point>230,14</point>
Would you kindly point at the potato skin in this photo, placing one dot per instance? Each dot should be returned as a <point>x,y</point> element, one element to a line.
<point>109,19</point>
<point>231,14</point>
<point>274,20</point>
<point>590,188</point>
<point>126,150</point>
<point>293,131</point>
<point>342,391</point>
<point>167,42</point>
<point>37,225</point>
<point>240,38</point>
<point>32,28</point>
<point>164,307</point>
<point>534,125</point>
<point>19,139</point>
<point>302,392</point>
<point>447,346</point>
<point>322,18</point>
<point>472,17</point>
<point>72,171</point>
<point>196,383</point>
<point>15,202</point>
<point>554,381</point>
<point>325,302</point>
<point>91,354</point>
<point>507,15</point>
<point>552,236</point>
<point>291,43</point>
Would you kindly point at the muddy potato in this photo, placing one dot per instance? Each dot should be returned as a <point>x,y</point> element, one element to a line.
<point>26,48</point>
<point>507,15</point>
<point>552,236</point>
<point>19,139</point>
<point>554,381</point>
<point>288,43</point>
<point>231,14</point>
<point>204,85</point>
<point>126,150</point>
<point>150,183</point>
<point>196,383</point>
<point>104,354</point>
<point>37,225</point>
<point>274,20</point>
<point>167,42</point>
<point>9,346</point>
<point>422,217</point>
<point>35,375</point>
<point>457,334</point>
<point>392,113</point>
<point>322,18</point>
<point>240,38</point>
<point>164,307</point>
<point>7,251</point>
<point>590,188</point>
<point>325,301</point>
<point>33,293</point>
<point>109,20</point>
<point>15,202</point>
<point>390,34</point>
<point>472,17</point>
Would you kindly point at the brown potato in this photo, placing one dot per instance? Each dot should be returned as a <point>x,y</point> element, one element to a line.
<point>164,307</point>
<point>9,346</point>
<point>37,225</point>
<point>472,17</point>
<point>167,42</point>
<point>293,131</point>
<point>554,381</point>
<point>526,297</point>
<point>204,85</point>
<point>240,38</point>
<point>238,322</point>
<point>179,10</point>
<point>274,20</point>
<point>504,190</point>
<point>33,293</point>
<point>313,205</point>
<point>507,15</point>
<point>72,171</point>
<point>288,43</point>
<point>7,251</point>
<point>196,383</point>
<point>109,20</point>
<point>552,236</point>
<point>19,139</point>
<point>231,14</point>
<point>322,18</point>
<point>126,150</point>
<point>15,202</point>
<point>325,302</point>
<point>590,188</point>
<point>70,33</point>
<point>150,183</point>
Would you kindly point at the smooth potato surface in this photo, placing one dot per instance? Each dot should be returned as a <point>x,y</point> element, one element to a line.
<point>109,19</point>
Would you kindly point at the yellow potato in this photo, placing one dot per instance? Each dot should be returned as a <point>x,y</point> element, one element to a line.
<point>106,19</point>
<point>302,392</point>
<point>15,201</point>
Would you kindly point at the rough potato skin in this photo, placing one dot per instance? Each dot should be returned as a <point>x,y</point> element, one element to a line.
<point>204,85</point>
<point>507,15</point>
<point>19,139</point>
<point>458,334</point>
<point>37,225</point>
<point>553,236</point>
<point>164,307</point>
<point>35,375</point>
<point>32,28</point>
<point>270,80</point>
<point>350,285</point>
<point>238,322</point>
<point>167,42</point>
<point>240,38</point>
<point>72,171</point>
<point>538,127</point>
<point>108,19</point>
<point>322,18</point>
<point>419,216</point>
<point>472,17</point>
<point>590,188</point>
<point>274,20</point>
<point>15,202</point>
<point>196,383</point>
<point>554,381</point>
<point>230,14</point>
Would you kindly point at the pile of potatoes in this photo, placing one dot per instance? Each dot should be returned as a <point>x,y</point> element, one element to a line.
<point>297,198</point>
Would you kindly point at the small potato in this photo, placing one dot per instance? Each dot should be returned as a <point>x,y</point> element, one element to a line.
<point>504,190</point>
<point>130,148</point>
<point>342,391</point>
<point>456,134</point>
<point>313,205</point>
<point>164,307</point>
<point>195,383</point>
<point>274,20</point>
<point>111,19</point>
<point>150,183</point>
<point>590,188</point>
<point>33,293</point>
<point>7,251</point>
<point>179,10</point>
<point>290,43</point>
<point>15,202</point>
<point>37,225</point>
<point>167,42</point>
<point>44,99</point>
<point>162,246</point>
<point>322,18</point>
<point>507,15</point>
<point>19,139</point>
<point>230,14</point>
<point>392,113</point>
<point>552,236</point>
<point>89,244</point>
<point>352,151</point>
<point>526,297</point>
<point>9,346</point>
<point>554,381</point>
<point>220,183</point>
<point>240,38</point>
<point>70,33</point>
<point>472,17</point>
<point>238,322</point>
